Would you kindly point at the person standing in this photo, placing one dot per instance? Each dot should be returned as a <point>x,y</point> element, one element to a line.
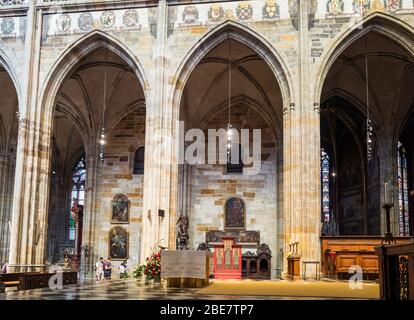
<point>108,269</point>
<point>99,268</point>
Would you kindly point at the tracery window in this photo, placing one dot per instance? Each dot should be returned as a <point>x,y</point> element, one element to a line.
<point>402,180</point>
<point>77,191</point>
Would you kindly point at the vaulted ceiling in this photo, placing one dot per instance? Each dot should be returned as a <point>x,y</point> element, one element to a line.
<point>390,79</point>
<point>253,83</point>
<point>79,108</point>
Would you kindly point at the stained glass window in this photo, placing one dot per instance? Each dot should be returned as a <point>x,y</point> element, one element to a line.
<point>403,191</point>
<point>78,191</point>
<point>325,184</point>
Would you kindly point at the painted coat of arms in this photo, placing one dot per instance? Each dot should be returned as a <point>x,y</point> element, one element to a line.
<point>7,25</point>
<point>85,21</point>
<point>361,6</point>
<point>108,19</point>
<point>216,13</point>
<point>244,11</point>
<point>393,5</point>
<point>190,14</point>
<point>130,18</point>
<point>63,22</point>
<point>271,10</point>
<point>335,7</point>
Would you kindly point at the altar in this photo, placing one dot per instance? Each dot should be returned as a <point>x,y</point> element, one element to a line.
<point>227,259</point>
<point>185,268</point>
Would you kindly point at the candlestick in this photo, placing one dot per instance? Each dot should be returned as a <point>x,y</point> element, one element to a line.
<point>386,192</point>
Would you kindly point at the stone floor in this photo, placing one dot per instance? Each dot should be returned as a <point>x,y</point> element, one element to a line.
<point>128,290</point>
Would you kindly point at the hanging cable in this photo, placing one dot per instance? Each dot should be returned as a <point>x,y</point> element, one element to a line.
<point>369,123</point>
<point>229,126</point>
<point>102,140</point>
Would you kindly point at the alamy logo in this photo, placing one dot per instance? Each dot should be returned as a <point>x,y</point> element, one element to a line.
<point>56,281</point>
<point>223,147</point>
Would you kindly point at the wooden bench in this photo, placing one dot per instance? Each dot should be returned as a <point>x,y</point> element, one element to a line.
<point>41,280</point>
<point>34,280</point>
<point>12,279</point>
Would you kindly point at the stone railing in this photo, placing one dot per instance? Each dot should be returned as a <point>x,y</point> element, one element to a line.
<point>9,3</point>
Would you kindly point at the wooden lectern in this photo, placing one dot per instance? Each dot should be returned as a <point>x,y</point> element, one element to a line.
<point>227,259</point>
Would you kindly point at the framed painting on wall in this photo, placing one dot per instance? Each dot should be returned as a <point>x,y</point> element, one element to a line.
<point>235,215</point>
<point>118,243</point>
<point>120,209</point>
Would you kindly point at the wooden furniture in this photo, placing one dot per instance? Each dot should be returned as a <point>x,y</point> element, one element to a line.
<point>317,269</point>
<point>258,265</point>
<point>12,279</point>
<point>227,259</point>
<point>186,268</point>
<point>41,280</point>
<point>339,253</point>
<point>293,267</point>
<point>396,269</point>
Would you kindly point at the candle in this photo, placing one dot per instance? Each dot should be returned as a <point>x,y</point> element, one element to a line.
<point>387,193</point>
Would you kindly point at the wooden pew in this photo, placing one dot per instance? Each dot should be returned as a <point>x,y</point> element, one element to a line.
<point>12,279</point>
<point>339,253</point>
<point>41,280</point>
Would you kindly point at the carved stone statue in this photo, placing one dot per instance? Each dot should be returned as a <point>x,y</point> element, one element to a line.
<point>182,233</point>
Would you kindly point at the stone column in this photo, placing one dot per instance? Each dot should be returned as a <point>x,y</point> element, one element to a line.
<point>91,212</point>
<point>158,131</point>
<point>29,213</point>
<point>302,156</point>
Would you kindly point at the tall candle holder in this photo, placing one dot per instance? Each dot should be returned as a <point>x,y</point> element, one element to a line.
<point>388,205</point>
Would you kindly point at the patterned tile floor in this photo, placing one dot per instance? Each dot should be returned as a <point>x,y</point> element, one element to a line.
<point>125,290</point>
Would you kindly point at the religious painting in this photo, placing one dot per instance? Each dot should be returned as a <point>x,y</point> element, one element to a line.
<point>234,214</point>
<point>120,209</point>
<point>118,243</point>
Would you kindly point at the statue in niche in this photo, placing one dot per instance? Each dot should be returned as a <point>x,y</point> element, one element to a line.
<point>234,214</point>
<point>120,209</point>
<point>182,233</point>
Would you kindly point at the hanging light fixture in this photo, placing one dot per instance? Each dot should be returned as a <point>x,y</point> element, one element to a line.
<point>369,122</point>
<point>102,140</point>
<point>229,125</point>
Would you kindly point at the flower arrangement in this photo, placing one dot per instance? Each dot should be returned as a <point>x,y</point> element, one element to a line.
<point>153,266</point>
<point>138,271</point>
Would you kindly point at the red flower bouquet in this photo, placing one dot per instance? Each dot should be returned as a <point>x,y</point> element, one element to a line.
<point>153,266</point>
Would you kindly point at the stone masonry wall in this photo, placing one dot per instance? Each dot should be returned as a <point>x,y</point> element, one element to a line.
<point>210,186</point>
<point>117,177</point>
